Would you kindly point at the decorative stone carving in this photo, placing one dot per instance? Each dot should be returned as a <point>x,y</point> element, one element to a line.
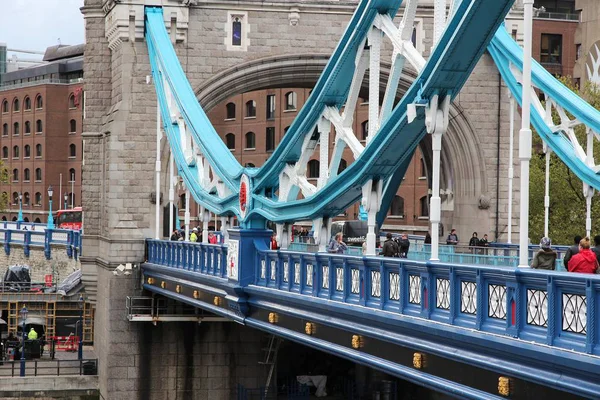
<point>484,202</point>
<point>125,22</point>
<point>294,16</point>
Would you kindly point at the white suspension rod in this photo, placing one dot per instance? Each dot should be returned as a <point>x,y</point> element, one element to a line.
<point>511,165</point>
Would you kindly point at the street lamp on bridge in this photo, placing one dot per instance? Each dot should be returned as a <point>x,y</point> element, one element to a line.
<point>24,313</point>
<point>50,224</point>
<point>20,217</point>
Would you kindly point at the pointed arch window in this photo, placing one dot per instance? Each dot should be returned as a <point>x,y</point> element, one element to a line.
<point>72,151</point>
<point>343,166</point>
<point>27,128</point>
<point>72,175</point>
<point>71,100</point>
<point>5,106</point>
<point>27,151</point>
<point>5,130</point>
<point>26,199</point>
<point>38,199</point>
<point>39,126</point>
<point>397,207</point>
<point>72,126</point>
<point>27,104</point>
<point>424,206</point>
<point>16,129</point>
<point>15,151</point>
<point>38,174</point>
<point>5,152</point>
<point>16,105</point>
<point>38,150</point>
<point>15,175</point>
<point>26,175</point>
<point>236,31</point>
<point>39,102</point>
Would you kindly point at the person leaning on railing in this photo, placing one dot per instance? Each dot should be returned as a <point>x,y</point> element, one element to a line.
<point>545,258</point>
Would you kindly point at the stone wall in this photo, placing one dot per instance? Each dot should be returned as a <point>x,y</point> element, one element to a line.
<point>49,387</point>
<point>170,360</point>
<point>60,265</point>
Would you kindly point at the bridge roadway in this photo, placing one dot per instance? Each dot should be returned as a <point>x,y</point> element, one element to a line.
<point>468,331</point>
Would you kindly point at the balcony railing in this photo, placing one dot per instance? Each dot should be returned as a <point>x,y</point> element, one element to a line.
<point>556,16</point>
<point>27,235</point>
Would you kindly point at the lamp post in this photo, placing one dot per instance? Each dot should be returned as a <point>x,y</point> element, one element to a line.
<point>80,333</point>
<point>24,313</point>
<point>20,217</point>
<point>50,218</point>
<point>66,198</point>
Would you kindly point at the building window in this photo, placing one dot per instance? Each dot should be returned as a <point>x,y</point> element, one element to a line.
<point>5,106</point>
<point>38,174</point>
<point>27,103</point>
<point>38,221</point>
<point>250,141</point>
<point>26,199</point>
<point>27,151</point>
<point>577,51</point>
<point>5,130</point>
<point>38,199</point>
<point>27,128</point>
<point>291,101</point>
<point>397,207</point>
<point>15,175</point>
<point>15,198</point>
<point>182,201</point>
<point>71,100</point>
<point>343,166</point>
<point>286,129</point>
<point>551,49</point>
<point>413,37</point>
<point>38,150</point>
<point>250,109</point>
<point>270,139</point>
<point>230,141</point>
<point>39,103</point>
<point>72,150</point>
<point>364,129</point>
<point>72,175</point>
<point>423,171</point>
<point>270,106</point>
<point>5,152</point>
<point>72,126</point>
<point>424,203</point>
<point>26,175</point>
<point>38,126</point>
<point>16,105</point>
<point>72,198</point>
<point>236,30</point>
<point>230,110</point>
<point>313,169</point>
<point>16,129</point>
<point>15,151</point>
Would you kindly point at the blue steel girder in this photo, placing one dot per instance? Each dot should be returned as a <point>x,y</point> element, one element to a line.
<point>389,153</point>
<point>506,52</point>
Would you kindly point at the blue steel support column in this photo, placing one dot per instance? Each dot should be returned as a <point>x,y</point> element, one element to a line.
<point>242,253</point>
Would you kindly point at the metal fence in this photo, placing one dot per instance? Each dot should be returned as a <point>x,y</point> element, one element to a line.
<point>26,235</point>
<point>49,367</point>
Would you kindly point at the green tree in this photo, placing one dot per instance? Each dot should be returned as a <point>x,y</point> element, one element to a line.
<point>3,184</point>
<point>567,210</point>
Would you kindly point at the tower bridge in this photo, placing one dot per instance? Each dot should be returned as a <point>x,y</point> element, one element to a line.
<point>441,73</point>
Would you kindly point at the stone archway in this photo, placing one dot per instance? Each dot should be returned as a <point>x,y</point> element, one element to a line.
<point>463,178</point>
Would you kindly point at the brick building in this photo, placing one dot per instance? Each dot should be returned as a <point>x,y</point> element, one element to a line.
<point>40,133</point>
<point>554,26</point>
<point>252,125</point>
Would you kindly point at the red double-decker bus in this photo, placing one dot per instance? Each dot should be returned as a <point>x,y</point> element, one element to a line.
<point>69,219</point>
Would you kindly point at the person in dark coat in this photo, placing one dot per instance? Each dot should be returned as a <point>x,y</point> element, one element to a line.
<point>403,246</point>
<point>571,251</point>
<point>452,238</point>
<point>390,248</point>
<point>596,248</point>
<point>427,238</point>
<point>545,258</point>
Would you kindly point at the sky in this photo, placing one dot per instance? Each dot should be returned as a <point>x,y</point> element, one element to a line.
<point>37,24</point>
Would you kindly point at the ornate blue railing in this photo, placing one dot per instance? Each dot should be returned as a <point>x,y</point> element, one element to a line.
<point>207,259</point>
<point>30,235</point>
<point>554,308</point>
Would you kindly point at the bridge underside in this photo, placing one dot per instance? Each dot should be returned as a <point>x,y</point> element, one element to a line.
<point>441,357</point>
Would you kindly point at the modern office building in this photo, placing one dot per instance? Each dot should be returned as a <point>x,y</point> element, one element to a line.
<point>40,133</point>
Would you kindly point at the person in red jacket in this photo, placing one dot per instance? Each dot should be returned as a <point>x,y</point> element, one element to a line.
<point>585,261</point>
<point>274,242</point>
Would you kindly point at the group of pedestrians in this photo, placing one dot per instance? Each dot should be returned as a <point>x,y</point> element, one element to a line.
<point>580,258</point>
<point>396,247</point>
<point>179,235</point>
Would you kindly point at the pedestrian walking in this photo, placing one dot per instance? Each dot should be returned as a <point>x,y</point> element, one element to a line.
<point>403,246</point>
<point>336,244</point>
<point>452,238</point>
<point>390,247</point>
